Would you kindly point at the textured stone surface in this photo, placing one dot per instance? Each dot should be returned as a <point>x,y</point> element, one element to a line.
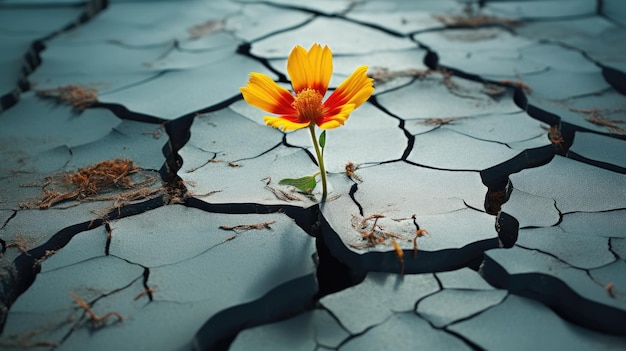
<point>496,126</point>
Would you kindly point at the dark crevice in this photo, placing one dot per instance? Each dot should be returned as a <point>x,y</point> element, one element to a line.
<point>616,78</point>
<point>604,165</point>
<point>611,250</point>
<point>401,124</point>
<point>212,108</point>
<point>284,301</point>
<point>497,177</point>
<point>28,264</point>
<point>261,154</point>
<point>304,218</point>
<point>431,167</point>
<point>353,190</point>
<point>422,262</point>
<point>332,275</point>
<point>179,132</point>
<point>554,256</point>
<point>146,277</point>
<point>557,295</point>
<point>109,231</point>
<point>9,219</point>
<point>80,323</point>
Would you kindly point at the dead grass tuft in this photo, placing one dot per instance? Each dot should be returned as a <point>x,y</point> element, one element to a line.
<point>474,21</point>
<point>91,182</point>
<point>77,96</point>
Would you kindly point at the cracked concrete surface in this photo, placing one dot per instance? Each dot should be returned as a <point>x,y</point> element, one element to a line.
<point>139,198</point>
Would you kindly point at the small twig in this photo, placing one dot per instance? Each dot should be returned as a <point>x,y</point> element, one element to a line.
<point>418,233</point>
<point>399,254</point>
<point>144,292</point>
<point>95,319</point>
<point>246,227</point>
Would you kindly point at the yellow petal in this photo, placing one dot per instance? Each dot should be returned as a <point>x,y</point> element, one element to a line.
<point>299,69</point>
<point>335,118</point>
<point>321,63</point>
<point>356,89</point>
<point>310,69</point>
<point>283,123</point>
<point>262,92</point>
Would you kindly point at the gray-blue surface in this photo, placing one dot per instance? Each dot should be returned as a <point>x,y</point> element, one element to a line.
<point>140,204</point>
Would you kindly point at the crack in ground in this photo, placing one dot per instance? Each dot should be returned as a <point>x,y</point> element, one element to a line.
<point>178,130</point>
<point>32,59</point>
<point>80,321</point>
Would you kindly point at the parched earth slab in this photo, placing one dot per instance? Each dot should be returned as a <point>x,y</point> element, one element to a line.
<point>609,224</point>
<point>373,226</point>
<point>198,87</point>
<point>531,210</point>
<point>354,39</point>
<point>370,136</point>
<point>400,329</point>
<point>579,250</point>
<point>543,9</point>
<point>251,181</point>
<point>574,186</point>
<point>38,125</point>
<point>521,324</point>
<point>307,331</point>
<point>213,247</point>
<point>462,152</point>
<point>570,291</point>
<point>600,112</point>
<point>329,7</point>
<point>404,17</point>
<point>436,96</point>
<point>509,129</point>
<point>601,150</point>
<point>384,310</point>
<point>377,298</point>
<point>134,24</point>
<point>257,20</point>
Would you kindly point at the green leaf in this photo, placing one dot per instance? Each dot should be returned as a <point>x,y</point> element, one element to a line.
<point>323,139</point>
<point>303,184</point>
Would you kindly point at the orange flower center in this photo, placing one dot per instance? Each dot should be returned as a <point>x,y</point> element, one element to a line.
<point>308,103</point>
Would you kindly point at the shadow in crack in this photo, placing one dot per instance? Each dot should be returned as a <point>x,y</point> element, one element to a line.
<point>27,265</point>
<point>579,306</point>
<point>280,303</point>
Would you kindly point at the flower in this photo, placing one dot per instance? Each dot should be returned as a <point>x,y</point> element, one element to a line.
<point>310,73</point>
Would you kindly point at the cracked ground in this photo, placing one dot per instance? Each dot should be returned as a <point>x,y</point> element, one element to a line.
<point>477,200</point>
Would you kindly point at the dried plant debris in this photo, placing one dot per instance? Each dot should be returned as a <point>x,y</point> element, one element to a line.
<point>373,233</point>
<point>143,293</point>
<point>493,90</point>
<point>555,137</point>
<point>24,342</point>
<point>156,134</point>
<point>20,242</point>
<point>211,160</point>
<point>205,29</point>
<point>439,121</point>
<point>383,74</point>
<point>77,96</point>
<point>246,227</point>
<point>95,319</point>
<point>517,84</point>
<point>279,193</point>
<point>473,21</point>
<point>598,117</point>
<point>93,182</point>
<point>350,171</point>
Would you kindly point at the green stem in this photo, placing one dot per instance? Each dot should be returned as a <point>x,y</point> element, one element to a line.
<point>320,160</point>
